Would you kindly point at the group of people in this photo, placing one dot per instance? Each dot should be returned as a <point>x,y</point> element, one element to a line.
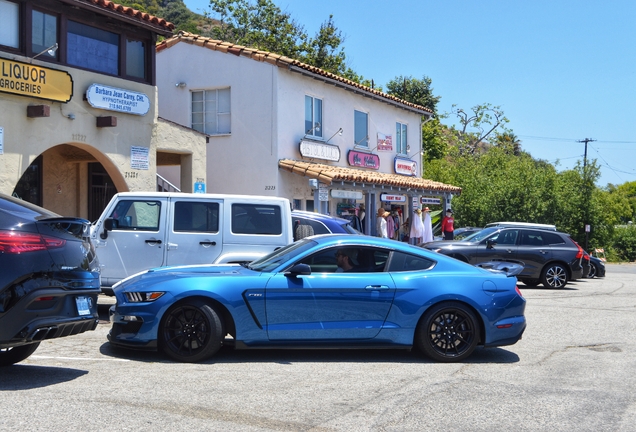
<point>418,228</point>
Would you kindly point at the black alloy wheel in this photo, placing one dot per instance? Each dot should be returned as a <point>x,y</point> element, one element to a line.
<point>9,356</point>
<point>554,276</point>
<point>448,332</point>
<point>593,271</point>
<point>191,332</point>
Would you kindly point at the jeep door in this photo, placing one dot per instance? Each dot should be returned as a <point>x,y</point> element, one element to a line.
<point>137,240</point>
<point>195,234</point>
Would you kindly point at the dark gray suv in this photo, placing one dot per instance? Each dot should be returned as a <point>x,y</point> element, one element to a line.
<point>548,257</point>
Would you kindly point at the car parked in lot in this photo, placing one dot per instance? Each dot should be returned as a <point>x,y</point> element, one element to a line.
<point>49,280</point>
<point>597,267</point>
<point>395,296</point>
<point>549,257</point>
<point>307,223</point>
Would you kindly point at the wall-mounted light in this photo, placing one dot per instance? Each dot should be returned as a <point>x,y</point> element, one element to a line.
<point>421,153</point>
<point>315,128</point>
<point>339,132</point>
<point>180,84</point>
<point>50,51</point>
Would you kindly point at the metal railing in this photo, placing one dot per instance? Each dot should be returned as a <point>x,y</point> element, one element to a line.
<point>163,185</point>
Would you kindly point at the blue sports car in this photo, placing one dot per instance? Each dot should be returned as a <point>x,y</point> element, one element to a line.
<point>325,291</point>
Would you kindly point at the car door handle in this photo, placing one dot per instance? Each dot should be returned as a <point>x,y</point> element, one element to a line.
<point>207,243</point>
<point>153,242</point>
<point>543,252</point>
<point>510,250</point>
<point>376,287</point>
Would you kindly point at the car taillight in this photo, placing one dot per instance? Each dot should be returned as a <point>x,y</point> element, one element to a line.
<point>14,242</point>
<point>580,252</point>
<point>518,291</point>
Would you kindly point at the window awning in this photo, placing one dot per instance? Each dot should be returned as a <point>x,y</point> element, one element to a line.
<point>365,179</point>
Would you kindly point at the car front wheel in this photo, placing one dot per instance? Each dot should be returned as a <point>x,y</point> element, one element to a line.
<point>554,276</point>
<point>191,332</point>
<point>593,271</point>
<point>9,356</point>
<point>448,332</point>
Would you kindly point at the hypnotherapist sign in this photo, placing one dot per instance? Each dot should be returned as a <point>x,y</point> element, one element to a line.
<point>116,99</point>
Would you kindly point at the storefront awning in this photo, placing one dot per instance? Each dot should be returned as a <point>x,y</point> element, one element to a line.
<point>335,175</point>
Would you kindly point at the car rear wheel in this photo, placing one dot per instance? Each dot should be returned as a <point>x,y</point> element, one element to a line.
<point>554,276</point>
<point>593,271</point>
<point>9,356</point>
<point>191,332</point>
<point>448,332</point>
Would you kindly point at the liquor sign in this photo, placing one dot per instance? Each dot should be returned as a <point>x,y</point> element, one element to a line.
<point>365,160</point>
<point>392,198</point>
<point>405,167</point>
<point>385,142</point>
<point>346,194</point>
<point>316,150</point>
<point>116,99</point>
<point>28,80</point>
<point>425,200</point>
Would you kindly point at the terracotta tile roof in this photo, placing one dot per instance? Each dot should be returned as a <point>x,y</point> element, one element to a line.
<point>328,174</point>
<point>143,17</point>
<point>280,61</point>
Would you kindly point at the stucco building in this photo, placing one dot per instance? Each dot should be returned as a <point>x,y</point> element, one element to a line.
<point>281,127</point>
<point>78,106</point>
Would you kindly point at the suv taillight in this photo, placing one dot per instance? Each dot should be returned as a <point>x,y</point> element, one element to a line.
<point>13,242</point>
<point>580,252</point>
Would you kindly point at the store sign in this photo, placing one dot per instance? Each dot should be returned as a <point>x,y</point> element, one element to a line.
<point>405,167</point>
<point>392,198</point>
<point>38,82</point>
<point>346,194</point>
<point>385,142</point>
<point>425,200</point>
<point>139,158</point>
<point>365,160</point>
<point>316,150</point>
<point>116,99</point>
<point>323,192</point>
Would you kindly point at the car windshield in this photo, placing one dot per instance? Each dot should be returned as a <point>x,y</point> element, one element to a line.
<point>480,235</point>
<point>273,260</point>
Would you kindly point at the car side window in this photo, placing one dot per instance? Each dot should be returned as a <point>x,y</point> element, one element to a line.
<point>553,239</point>
<point>362,260</point>
<point>136,215</point>
<point>532,238</point>
<point>262,219</point>
<point>508,237</point>
<point>402,262</point>
<point>194,216</point>
<point>304,227</point>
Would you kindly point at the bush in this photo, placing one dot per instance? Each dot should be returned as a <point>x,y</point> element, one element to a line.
<point>624,245</point>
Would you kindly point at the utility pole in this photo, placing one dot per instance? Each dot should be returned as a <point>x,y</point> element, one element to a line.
<point>587,190</point>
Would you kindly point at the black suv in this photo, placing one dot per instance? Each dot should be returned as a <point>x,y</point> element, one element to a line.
<point>548,257</point>
<point>49,280</point>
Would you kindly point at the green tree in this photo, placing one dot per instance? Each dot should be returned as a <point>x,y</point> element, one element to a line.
<point>414,90</point>
<point>476,127</point>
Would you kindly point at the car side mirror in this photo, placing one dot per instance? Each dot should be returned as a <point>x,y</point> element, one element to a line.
<point>108,226</point>
<point>490,244</point>
<point>299,270</point>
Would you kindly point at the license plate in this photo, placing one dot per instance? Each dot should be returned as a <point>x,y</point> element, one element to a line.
<point>82,306</point>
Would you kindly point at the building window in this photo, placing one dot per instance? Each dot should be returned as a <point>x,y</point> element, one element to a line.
<point>10,28</point>
<point>135,58</point>
<point>92,48</point>
<point>361,128</point>
<point>211,111</point>
<point>400,138</point>
<point>43,33</point>
<point>313,117</point>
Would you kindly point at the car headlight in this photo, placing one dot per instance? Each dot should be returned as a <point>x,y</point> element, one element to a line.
<point>140,297</point>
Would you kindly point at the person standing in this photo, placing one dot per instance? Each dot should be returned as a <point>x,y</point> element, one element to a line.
<point>448,225</point>
<point>417,228</point>
<point>361,214</point>
<point>428,226</point>
<point>380,223</point>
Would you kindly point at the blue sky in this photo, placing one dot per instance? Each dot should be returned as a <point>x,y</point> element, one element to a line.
<point>562,71</point>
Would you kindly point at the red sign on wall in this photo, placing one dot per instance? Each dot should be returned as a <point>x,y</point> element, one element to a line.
<point>365,160</point>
